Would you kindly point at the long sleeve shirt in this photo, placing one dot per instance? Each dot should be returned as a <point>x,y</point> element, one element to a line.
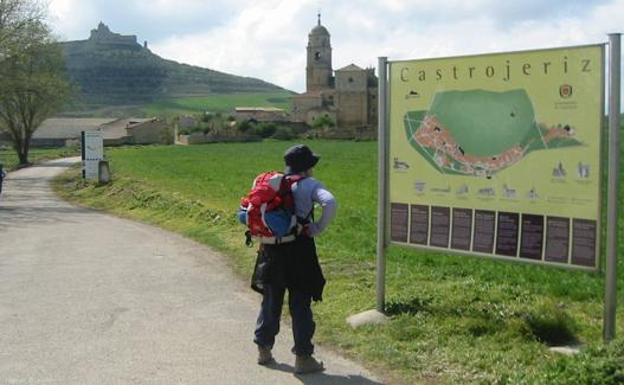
<point>308,191</point>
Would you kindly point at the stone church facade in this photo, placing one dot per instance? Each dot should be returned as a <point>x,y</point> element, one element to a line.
<point>348,95</point>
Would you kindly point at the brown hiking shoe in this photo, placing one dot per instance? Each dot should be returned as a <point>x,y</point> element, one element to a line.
<point>307,364</point>
<point>264,356</point>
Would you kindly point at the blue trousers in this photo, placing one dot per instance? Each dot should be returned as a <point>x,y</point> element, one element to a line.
<point>268,323</point>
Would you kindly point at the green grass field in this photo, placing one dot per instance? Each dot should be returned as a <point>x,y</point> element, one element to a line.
<point>217,103</point>
<point>454,320</point>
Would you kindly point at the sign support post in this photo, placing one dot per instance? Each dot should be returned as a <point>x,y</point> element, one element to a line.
<point>612,203</point>
<point>377,315</point>
<point>382,183</point>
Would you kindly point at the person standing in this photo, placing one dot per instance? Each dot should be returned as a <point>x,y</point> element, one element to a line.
<point>294,266</point>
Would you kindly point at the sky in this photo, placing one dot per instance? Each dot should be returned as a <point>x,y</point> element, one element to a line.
<point>266,39</point>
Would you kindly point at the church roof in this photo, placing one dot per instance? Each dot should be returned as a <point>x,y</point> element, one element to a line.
<point>350,67</point>
<point>319,30</point>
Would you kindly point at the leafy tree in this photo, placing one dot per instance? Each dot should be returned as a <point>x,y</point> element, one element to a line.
<point>284,133</point>
<point>265,130</point>
<point>17,17</point>
<point>33,86</point>
<point>245,126</point>
<point>323,122</point>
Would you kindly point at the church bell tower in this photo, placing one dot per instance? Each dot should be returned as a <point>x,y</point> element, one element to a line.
<point>319,68</point>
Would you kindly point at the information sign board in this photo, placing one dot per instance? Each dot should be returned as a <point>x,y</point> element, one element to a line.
<point>499,155</point>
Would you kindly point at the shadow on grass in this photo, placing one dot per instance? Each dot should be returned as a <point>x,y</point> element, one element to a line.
<point>552,328</point>
<point>408,306</point>
<point>547,323</point>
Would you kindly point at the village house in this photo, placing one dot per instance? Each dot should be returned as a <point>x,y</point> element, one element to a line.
<point>59,132</point>
<point>260,114</point>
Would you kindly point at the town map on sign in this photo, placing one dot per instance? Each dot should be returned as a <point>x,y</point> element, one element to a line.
<point>479,133</point>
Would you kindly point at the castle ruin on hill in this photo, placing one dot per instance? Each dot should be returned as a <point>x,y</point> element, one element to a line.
<point>103,35</point>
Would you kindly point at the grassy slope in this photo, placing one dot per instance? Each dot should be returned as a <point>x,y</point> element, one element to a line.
<point>112,74</point>
<point>454,319</point>
<point>171,107</point>
<point>218,103</point>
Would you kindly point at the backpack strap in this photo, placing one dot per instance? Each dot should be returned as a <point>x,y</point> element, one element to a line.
<point>293,178</point>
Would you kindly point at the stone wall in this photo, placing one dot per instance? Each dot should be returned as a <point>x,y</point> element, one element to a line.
<point>352,109</point>
<point>199,138</point>
<point>351,81</point>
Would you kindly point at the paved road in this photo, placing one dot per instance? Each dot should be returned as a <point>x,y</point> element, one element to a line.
<point>88,298</point>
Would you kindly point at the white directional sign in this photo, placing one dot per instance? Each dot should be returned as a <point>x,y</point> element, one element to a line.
<point>92,153</point>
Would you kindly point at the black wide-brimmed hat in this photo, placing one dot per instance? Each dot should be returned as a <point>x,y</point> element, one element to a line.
<point>299,158</point>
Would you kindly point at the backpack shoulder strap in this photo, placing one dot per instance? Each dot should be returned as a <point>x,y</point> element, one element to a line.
<point>289,180</point>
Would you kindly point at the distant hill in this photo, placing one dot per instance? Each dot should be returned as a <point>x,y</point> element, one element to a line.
<point>112,69</point>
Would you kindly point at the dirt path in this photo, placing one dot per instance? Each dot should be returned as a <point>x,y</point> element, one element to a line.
<point>88,298</point>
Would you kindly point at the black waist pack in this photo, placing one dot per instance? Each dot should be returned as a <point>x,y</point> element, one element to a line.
<point>261,271</point>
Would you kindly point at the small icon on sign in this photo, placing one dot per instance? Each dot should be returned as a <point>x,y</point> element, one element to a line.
<point>532,194</point>
<point>583,170</point>
<point>462,190</point>
<point>509,192</point>
<point>412,94</point>
<point>487,192</point>
<point>400,165</point>
<point>565,91</point>
<point>559,171</point>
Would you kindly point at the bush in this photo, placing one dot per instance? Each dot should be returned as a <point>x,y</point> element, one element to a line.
<point>323,122</point>
<point>265,130</point>
<point>284,133</point>
<point>190,130</point>
<point>245,126</point>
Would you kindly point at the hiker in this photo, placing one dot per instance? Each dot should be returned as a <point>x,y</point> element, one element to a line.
<point>294,266</point>
<point>2,175</point>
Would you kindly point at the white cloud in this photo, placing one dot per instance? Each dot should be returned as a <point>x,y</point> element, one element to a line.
<point>265,40</point>
<point>63,15</point>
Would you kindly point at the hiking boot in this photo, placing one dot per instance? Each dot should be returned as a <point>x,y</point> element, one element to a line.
<point>264,356</point>
<point>307,364</point>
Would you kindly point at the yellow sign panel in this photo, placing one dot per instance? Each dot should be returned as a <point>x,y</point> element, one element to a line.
<point>499,154</point>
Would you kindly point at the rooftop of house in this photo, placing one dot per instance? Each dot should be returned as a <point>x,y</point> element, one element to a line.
<point>67,128</point>
<point>258,109</point>
<point>118,128</point>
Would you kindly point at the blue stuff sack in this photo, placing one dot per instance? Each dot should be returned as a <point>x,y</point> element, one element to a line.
<point>279,222</point>
<point>242,216</point>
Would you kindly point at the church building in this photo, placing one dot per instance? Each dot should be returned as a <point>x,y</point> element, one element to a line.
<point>348,96</point>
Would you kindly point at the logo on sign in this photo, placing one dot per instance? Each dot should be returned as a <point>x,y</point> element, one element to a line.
<point>565,91</point>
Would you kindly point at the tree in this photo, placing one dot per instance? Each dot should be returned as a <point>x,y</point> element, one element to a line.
<point>16,17</point>
<point>33,86</point>
<point>323,122</point>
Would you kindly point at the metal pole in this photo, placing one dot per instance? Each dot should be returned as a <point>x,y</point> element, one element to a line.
<point>382,183</point>
<point>612,203</point>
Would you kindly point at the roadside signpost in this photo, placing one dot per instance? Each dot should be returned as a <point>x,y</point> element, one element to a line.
<point>500,156</point>
<point>92,145</point>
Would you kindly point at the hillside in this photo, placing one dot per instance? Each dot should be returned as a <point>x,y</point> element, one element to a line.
<point>113,69</point>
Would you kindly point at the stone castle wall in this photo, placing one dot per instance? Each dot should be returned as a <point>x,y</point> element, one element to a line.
<point>103,35</point>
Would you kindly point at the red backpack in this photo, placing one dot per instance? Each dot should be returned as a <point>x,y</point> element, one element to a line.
<point>268,209</point>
